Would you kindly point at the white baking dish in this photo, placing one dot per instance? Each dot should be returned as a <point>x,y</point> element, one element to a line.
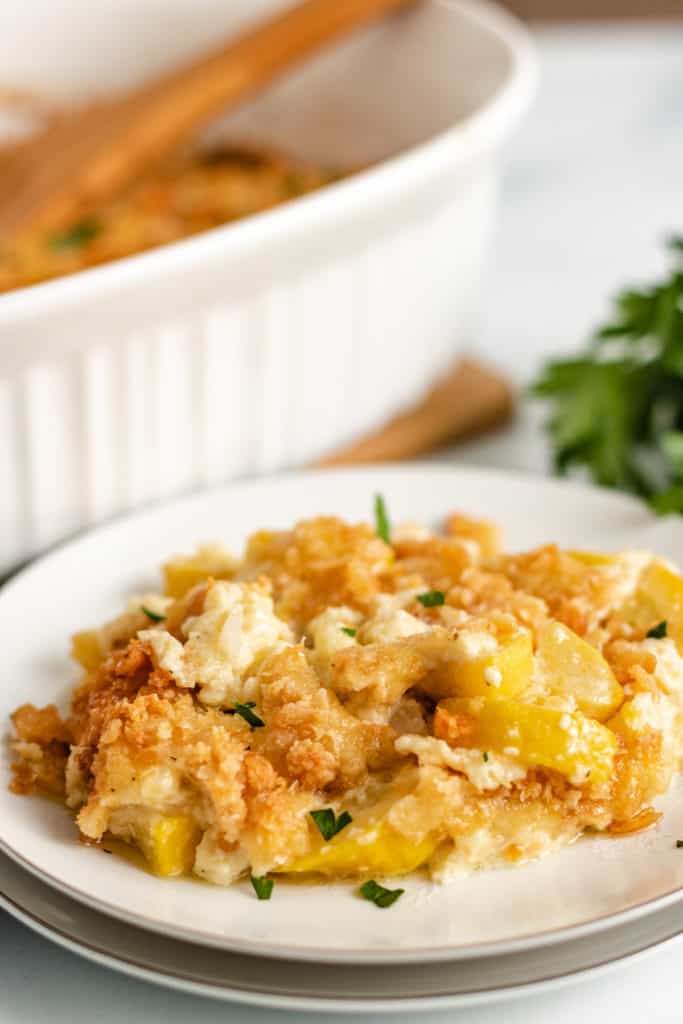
<point>267,342</point>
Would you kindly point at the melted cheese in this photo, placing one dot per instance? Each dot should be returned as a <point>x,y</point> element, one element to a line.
<point>392,624</point>
<point>485,773</point>
<point>225,644</point>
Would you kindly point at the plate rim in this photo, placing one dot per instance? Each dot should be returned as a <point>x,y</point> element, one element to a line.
<point>170,978</point>
<point>361,954</point>
<point>299,952</point>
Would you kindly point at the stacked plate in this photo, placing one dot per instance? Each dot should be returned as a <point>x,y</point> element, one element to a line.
<point>480,938</point>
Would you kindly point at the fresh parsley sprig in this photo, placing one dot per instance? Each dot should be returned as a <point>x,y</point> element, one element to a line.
<point>349,630</point>
<point>617,409</point>
<point>431,598</point>
<point>154,616</point>
<point>263,887</point>
<point>75,236</point>
<point>245,712</point>
<point>377,894</point>
<point>328,824</point>
<point>382,524</point>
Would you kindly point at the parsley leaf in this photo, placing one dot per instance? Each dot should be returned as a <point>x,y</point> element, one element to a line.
<point>485,755</point>
<point>432,598</point>
<point>263,887</point>
<point>617,409</point>
<point>244,710</point>
<point>76,235</point>
<point>349,630</point>
<point>382,524</point>
<point>377,894</point>
<point>657,632</point>
<point>328,824</point>
<point>154,616</point>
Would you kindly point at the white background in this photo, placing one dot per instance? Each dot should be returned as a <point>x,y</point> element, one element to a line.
<point>594,184</point>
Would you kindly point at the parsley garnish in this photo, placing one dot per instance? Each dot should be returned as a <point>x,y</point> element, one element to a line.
<point>247,714</point>
<point>377,894</point>
<point>349,630</point>
<point>617,409</point>
<point>679,844</point>
<point>382,525</point>
<point>432,598</point>
<point>263,887</point>
<point>76,235</point>
<point>657,632</point>
<point>485,755</point>
<point>328,824</point>
<point>154,616</point>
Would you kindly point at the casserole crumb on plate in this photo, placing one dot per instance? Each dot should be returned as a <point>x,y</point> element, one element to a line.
<point>349,701</point>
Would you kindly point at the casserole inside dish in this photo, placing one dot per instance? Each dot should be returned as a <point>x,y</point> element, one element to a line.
<point>184,196</point>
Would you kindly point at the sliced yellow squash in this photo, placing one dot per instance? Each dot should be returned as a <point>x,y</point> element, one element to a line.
<point>168,843</point>
<point>377,849</point>
<point>566,665</point>
<point>658,597</point>
<point>87,649</point>
<point>597,558</point>
<point>184,572</point>
<point>504,672</point>
<point>570,743</point>
<point>477,664</point>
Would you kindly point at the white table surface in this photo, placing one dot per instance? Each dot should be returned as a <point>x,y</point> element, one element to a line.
<point>594,183</point>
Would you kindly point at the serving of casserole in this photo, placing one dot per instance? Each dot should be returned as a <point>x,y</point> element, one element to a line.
<point>356,700</point>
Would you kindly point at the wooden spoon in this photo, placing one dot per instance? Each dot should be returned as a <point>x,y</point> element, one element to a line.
<point>87,156</point>
<point>469,399</point>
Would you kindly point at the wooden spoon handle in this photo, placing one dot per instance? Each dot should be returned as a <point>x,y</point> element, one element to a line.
<point>470,399</point>
<point>149,124</point>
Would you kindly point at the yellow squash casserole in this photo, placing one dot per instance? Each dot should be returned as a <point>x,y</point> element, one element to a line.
<point>343,701</point>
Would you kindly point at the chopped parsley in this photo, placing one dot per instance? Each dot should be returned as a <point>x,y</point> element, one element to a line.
<point>349,630</point>
<point>432,598</point>
<point>246,713</point>
<point>657,632</point>
<point>485,755</point>
<point>328,824</point>
<point>679,844</point>
<point>263,887</point>
<point>382,524</point>
<point>377,894</point>
<point>154,616</point>
<point>76,235</point>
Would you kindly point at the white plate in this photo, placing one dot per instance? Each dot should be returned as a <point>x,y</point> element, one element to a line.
<point>338,989</point>
<point>579,890</point>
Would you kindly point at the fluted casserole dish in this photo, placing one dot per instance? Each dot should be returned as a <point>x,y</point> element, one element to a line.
<point>265,342</point>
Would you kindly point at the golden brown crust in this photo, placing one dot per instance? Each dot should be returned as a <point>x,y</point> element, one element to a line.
<point>485,533</point>
<point>40,725</point>
<point>343,706</point>
<point>321,562</point>
<point>42,749</point>
<point>310,737</point>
